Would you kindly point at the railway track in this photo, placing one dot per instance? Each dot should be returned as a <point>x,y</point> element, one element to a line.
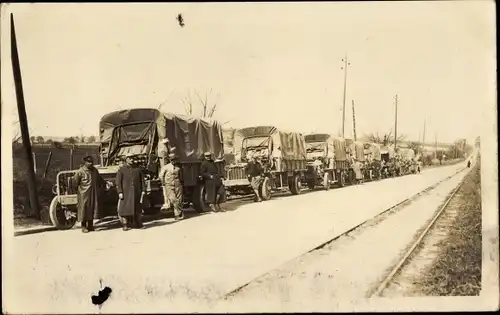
<point>367,223</point>
<point>379,290</point>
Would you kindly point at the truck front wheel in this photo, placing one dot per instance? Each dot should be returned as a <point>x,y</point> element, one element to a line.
<point>62,217</point>
<point>296,185</point>
<point>265,189</point>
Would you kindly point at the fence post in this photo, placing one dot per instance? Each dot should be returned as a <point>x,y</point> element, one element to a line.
<point>71,158</point>
<point>34,162</point>
<point>47,165</point>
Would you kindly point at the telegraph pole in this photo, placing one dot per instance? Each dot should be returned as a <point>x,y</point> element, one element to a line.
<point>346,64</point>
<point>23,121</point>
<point>396,122</point>
<point>354,121</point>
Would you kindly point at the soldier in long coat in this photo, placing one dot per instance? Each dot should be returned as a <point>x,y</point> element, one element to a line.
<point>131,189</point>
<point>173,187</point>
<point>213,183</point>
<point>254,172</point>
<point>356,166</point>
<point>89,183</point>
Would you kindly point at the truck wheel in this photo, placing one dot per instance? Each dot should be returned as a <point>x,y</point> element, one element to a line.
<point>265,189</point>
<point>326,181</point>
<point>199,200</point>
<point>63,218</point>
<point>296,185</point>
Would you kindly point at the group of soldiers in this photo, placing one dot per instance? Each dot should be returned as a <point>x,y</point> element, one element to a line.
<point>131,189</point>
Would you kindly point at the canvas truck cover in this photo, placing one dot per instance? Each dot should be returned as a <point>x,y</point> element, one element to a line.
<point>387,150</point>
<point>359,150</point>
<point>375,150</point>
<point>407,154</point>
<point>335,144</point>
<point>350,147</point>
<point>291,145</point>
<point>190,136</point>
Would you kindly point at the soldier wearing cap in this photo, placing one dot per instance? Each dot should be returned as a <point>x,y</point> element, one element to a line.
<point>131,190</point>
<point>254,172</point>
<point>171,179</point>
<point>356,167</point>
<point>213,182</point>
<point>89,184</point>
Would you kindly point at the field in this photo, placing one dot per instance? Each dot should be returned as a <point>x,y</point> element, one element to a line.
<point>60,160</point>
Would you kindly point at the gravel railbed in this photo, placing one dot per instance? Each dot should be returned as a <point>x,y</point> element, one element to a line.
<point>449,260</point>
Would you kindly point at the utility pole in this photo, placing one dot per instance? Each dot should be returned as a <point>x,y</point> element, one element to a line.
<point>396,122</point>
<point>346,64</point>
<point>23,121</point>
<point>354,121</point>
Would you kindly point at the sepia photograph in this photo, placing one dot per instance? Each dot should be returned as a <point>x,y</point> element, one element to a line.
<point>251,157</point>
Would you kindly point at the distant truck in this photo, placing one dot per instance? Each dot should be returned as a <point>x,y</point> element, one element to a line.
<point>355,150</point>
<point>327,162</point>
<point>373,159</point>
<point>283,155</point>
<point>143,132</point>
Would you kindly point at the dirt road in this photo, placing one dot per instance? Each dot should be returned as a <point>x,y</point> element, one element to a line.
<point>189,265</point>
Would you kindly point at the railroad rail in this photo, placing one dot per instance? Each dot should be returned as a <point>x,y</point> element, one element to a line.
<point>398,267</point>
<point>377,219</point>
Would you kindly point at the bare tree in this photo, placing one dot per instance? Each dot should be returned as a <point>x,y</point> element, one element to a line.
<point>188,103</point>
<point>385,139</point>
<point>207,106</point>
<point>70,140</point>
<point>40,139</point>
<point>416,147</point>
<point>17,135</point>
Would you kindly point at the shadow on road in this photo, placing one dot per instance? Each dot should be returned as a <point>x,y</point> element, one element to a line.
<point>158,220</point>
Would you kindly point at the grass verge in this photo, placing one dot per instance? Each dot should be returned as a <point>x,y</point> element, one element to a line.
<point>457,269</point>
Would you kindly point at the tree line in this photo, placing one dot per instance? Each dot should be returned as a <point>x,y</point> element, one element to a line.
<point>69,140</point>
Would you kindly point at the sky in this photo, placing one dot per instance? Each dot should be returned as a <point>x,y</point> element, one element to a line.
<point>271,63</point>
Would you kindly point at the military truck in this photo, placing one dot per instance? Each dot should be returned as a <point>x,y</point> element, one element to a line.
<point>282,153</point>
<point>355,150</point>
<point>372,161</point>
<point>326,161</point>
<point>145,133</point>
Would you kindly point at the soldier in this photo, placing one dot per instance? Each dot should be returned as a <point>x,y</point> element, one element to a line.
<point>89,182</point>
<point>213,183</point>
<point>131,190</point>
<point>173,186</point>
<point>254,172</point>
<point>166,203</point>
<point>277,157</point>
<point>356,166</point>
